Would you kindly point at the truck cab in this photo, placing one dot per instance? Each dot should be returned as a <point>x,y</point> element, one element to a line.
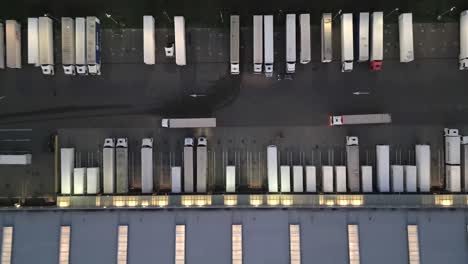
<point>202,142</point>
<point>336,120</point>
<point>188,142</point>
<point>147,143</point>
<point>109,143</point>
<point>122,143</point>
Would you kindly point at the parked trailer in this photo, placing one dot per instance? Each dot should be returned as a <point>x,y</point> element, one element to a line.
<point>452,146</point>
<point>2,46</point>
<point>383,168</point>
<point>80,46</point>
<point>235,44</point>
<point>376,57</point>
<point>257,43</point>
<point>327,179</point>
<point>15,159</point>
<point>290,43</point>
<point>397,178</point>
<point>33,41</point>
<point>405,25</point>
<point>93,184</point>
<point>79,175</point>
<point>304,23</point>
<point>147,165</point>
<point>121,162</point>
<point>347,48</point>
<point>311,178</point>
<point>202,165</point>
<point>326,29</point>
<point>463,57</point>
<point>272,168</point>
<point>230,179</point>
<point>176,179</point>
<point>188,165</point>
<point>423,164</point>
<point>67,164</point>
<point>108,165</point>
<point>188,122</point>
<point>298,178</point>
<point>179,32</point>
<point>352,163</point>
<point>13,44</point>
<point>285,173</point>
<point>464,142</point>
<point>366,172</point>
<point>149,41</point>
<point>360,119</point>
<point>268,42</point>
<point>340,172</point>
<point>453,178</point>
<point>46,45</point>
<point>68,45</point>
<point>93,45</point>
<point>410,178</point>
<point>363,36</point>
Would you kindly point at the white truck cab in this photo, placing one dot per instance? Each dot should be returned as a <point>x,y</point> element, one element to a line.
<point>188,142</point>
<point>122,143</point>
<point>109,143</point>
<point>202,142</point>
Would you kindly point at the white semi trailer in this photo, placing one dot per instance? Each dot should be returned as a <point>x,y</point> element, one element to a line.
<point>290,43</point>
<point>13,44</point>
<point>79,175</point>
<point>179,32</point>
<point>298,178</point>
<point>423,165</point>
<point>363,36</point>
<point>272,168</point>
<point>202,165</point>
<point>93,183</point>
<point>311,178</point>
<point>149,41</point>
<point>463,57</point>
<point>366,172</point>
<point>67,164</point>
<point>405,23</point>
<point>326,30</point>
<point>235,44</point>
<point>2,46</point>
<point>33,41</point>
<point>188,122</point>
<point>452,160</point>
<point>68,46</point>
<point>285,175</point>
<point>383,168</point>
<point>230,179</point>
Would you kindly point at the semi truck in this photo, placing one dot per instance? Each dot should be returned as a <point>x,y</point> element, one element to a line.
<point>340,120</point>
<point>363,37</point>
<point>15,159</point>
<point>202,164</point>
<point>93,184</point>
<point>235,39</point>
<point>179,32</point>
<point>121,162</point>
<point>285,175</point>
<point>67,164</point>
<point>340,173</point>
<point>397,178</point>
<point>366,172</point>
<point>79,175</point>
<point>268,42</point>
<point>423,165</point>
<point>327,179</point>
<point>80,46</point>
<point>188,122</point>
<point>405,25</point>
<point>147,165</point>
<point>108,166</point>
<point>376,52</point>
<point>188,165</point>
<point>383,168</point>
<point>352,163</point>
<point>326,30</point>
<point>452,160</point>
<point>149,46</point>
<point>290,43</point>
<point>311,178</point>
<point>93,45</point>
<point>463,57</point>
<point>298,178</point>
<point>68,45</point>
<point>464,143</point>
<point>272,168</point>
<point>257,43</point>
<point>304,23</point>
<point>46,45</point>
<point>176,180</point>
<point>13,44</point>
<point>230,179</point>
<point>33,41</point>
<point>2,46</point>
<point>347,48</point>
